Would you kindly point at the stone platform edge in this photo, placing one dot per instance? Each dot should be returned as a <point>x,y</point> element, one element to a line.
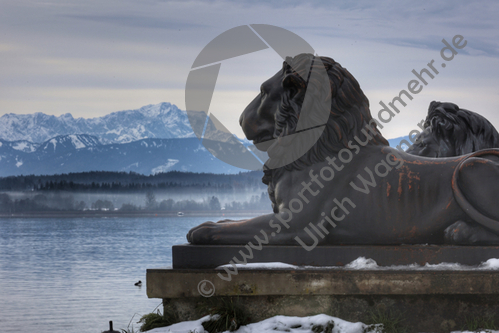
<point>170,283</point>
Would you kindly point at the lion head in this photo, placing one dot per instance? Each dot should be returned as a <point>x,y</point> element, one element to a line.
<point>275,111</point>
<point>451,131</point>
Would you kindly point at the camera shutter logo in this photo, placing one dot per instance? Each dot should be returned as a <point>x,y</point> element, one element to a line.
<point>200,85</point>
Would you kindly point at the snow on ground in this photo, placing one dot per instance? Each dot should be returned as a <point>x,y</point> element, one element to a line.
<point>362,263</point>
<point>284,324</point>
<point>274,324</point>
<point>265,265</point>
<point>194,326</point>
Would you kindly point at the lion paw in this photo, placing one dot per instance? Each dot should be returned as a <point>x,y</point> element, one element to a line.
<point>231,221</point>
<point>461,233</point>
<point>203,233</point>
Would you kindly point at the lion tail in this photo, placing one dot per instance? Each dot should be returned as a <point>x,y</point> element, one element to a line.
<point>474,184</point>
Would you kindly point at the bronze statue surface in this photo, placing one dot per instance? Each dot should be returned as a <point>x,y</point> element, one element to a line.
<point>451,131</point>
<point>351,187</point>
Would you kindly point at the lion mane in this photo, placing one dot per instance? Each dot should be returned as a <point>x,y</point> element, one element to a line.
<point>349,115</point>
<point>468,130</point>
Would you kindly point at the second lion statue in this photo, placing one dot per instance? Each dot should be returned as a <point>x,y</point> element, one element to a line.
<point>452,131</point>
<point>351,187</point>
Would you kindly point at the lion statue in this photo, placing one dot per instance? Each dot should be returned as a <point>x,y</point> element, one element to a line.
<point>351,187</point>
<point>451,131</point>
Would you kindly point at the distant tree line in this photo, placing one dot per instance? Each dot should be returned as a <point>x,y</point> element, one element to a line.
<point>119,187</point>
<point>255,203</point>
<point>211,203</point>
<point>123,181</point>
<point>151,204</point>
<point>60,202</point>
<point>39,202</point>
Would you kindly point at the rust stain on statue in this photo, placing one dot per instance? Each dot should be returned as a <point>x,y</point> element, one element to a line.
<point>399,191</point>
<point>410,177</point>
<point>340,135</point>
<point>448,205</point>
<point>423,162</point>
<point>413,231</point>
<point>413,176</point>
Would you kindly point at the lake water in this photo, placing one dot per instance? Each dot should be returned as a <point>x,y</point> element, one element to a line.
<point>76,274</point>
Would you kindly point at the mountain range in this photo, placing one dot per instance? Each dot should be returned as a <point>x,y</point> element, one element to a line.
<point>152,139</point>
<point>163,121</point>
<point>82,153</point>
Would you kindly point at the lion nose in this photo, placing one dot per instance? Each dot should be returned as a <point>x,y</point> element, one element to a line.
<point>246,127</point>
<point>241,118</point>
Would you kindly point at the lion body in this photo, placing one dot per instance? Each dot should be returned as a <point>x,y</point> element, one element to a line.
<point>403,206</point>
<point>376,195</point>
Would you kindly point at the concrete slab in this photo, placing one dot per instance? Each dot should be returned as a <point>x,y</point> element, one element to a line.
<point>179,283</point>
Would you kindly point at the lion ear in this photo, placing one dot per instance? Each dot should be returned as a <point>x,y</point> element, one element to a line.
<point>286,118</point>
<point>442,125</point>
<point>293,84</point>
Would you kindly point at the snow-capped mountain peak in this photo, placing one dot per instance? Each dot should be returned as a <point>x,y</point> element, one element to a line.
<point>69,142</point>
<point>24,146</point>
<point>21,145</point>
<point>154,110</point>
<point>163,120</point>
<point>151,139</point>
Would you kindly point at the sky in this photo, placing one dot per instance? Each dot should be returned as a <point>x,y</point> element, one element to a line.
<point>90,58</point>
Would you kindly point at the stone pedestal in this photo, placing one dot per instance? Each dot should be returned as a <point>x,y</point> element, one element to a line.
<point>429,301</point>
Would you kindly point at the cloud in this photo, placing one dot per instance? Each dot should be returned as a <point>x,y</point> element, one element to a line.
<point>136,21</point>
<point>118,52</point>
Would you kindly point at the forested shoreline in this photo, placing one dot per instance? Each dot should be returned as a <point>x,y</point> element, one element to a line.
<point>131,192</point>
<point>131,181</point>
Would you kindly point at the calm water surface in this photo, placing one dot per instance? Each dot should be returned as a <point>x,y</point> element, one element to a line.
<point>76,274</point>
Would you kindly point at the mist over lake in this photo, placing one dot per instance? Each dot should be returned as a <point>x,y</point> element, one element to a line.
<point>128,191</point>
